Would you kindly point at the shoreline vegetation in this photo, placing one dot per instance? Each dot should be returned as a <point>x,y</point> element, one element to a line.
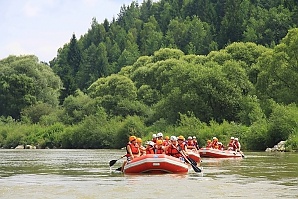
<point>165,67</point>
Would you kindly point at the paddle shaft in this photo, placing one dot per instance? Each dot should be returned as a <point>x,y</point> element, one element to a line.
<point>112,162</point>
<point>195,168</point>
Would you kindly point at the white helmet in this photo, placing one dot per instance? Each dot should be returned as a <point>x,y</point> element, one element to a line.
<point>159,134</point>
<point>189,138</point>
<point>194,137</point>
<point>236,139</point>
<point>154,135</point>
<point>173,138</point>
<point>232,138</point>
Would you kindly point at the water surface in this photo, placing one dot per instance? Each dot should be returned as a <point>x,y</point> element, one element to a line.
<point>86,174</point>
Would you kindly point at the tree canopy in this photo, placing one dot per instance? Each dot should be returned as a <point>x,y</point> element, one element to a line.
<point>197,67</point>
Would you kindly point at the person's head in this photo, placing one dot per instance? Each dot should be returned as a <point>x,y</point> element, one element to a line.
<point>132,138</point>
<point>232,138</point>
<point>159,135</point>
<point>208,141</point>
<point>167,138</point>
<point>154,136</point>
<point>159,142</point>
<point>181,139</point>
<point>149,144</point>
<point>173,139</point>
<point>194,137</point>
<point>139,140</point>
<point>236,139</point>
<point>189,138</point>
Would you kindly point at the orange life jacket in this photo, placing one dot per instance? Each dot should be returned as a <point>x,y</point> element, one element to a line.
<point>181,146</point>
<point>172,151</point>
<point>134,149</point>
<point>149,150</point>
<point>165,143</point>
<point>159,150</point>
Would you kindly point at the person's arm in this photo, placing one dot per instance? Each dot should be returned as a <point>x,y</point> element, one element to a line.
<point>130,152</point>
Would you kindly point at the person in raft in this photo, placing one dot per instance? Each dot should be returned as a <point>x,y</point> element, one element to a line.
<point>181,144</point>
<point>237,145</point>
<point>132,150</point>
<point>174,149</point>
<point>166,141</point>
<point>220,146</point>
<point>159,148</point>
<point>150,147</point>
<point>141,147</point>
<point>195,142</point>
<point>190,144</point>
<point>154,138</point>
<point>209,144</point>
<point>214,143</point>
<point>159,136</point>
<point>231,144</point>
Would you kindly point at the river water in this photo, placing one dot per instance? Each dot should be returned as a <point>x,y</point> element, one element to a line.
<point>86,174</point>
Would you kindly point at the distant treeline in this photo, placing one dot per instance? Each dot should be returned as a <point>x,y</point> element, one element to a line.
<point>203,68</point>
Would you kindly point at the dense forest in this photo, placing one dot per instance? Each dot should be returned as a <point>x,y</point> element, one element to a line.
<point>182,67</point>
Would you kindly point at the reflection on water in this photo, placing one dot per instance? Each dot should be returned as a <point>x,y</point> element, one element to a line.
<point>86,174</point>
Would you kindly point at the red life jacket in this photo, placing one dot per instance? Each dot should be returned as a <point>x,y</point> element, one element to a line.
<point>165,143</point>
<point>231,143</point>
<point>236,145</point>
<point>214,145</point>
<point>190,143</point>
<point>209,145</point>
<point>134,149</point>
<point>159,150</point>
<point>149,151</point>
<point>173,151</point>
<point>181,146</point>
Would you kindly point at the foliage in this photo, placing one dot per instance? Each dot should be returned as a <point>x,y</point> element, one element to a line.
<point>203,68</point>
<point>132,125</point>
<point>25,82</point>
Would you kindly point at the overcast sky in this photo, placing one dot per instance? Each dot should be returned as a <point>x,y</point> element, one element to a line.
<point>41,27</point>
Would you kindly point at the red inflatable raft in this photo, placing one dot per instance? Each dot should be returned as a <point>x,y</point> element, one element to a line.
<point>155,163</point>
<point>194,155</point>
<point>215,153</point>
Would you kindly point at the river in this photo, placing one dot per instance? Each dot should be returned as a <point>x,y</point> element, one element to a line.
<point>86,174</point>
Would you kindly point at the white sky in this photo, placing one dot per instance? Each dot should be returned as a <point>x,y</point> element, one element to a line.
<point>41,27</point>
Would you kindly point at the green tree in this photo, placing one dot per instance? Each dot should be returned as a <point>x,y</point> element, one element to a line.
<point>77,107</point>
<point>278,71</point>
<point>231,28</point>
<point>267,26</point>
<point>112,91</point>
<point>151,37</point>
<point>24,82</point>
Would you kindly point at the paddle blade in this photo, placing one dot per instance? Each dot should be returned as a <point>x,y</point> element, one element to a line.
<point>112,162</point>
<point>119,169</point>
<point>196,169</point>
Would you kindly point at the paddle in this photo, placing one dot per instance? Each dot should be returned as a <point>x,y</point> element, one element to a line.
<point>241,154</point>
<point>112,162</point>
<point>195,168</point>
